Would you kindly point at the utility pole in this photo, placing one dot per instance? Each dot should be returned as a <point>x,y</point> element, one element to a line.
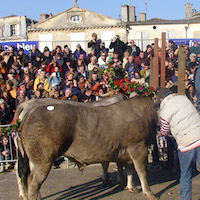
<point>181,70</point>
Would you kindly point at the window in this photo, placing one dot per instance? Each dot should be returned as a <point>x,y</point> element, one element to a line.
<point>142,40</point>
<point>76,18</point>
<point>14,29</point>
<point>77,38</point>
<point>106,37</point>
<point>45,40</point>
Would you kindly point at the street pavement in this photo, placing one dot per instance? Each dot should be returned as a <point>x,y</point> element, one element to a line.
<point>66,184</point>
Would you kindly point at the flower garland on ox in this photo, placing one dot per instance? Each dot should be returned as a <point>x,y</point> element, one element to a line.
<point>141,89</point>
<point>13,130</point>
<point>113,73</point>
<point>114,77</point>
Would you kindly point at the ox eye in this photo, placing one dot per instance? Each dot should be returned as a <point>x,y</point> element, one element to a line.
<point>50,108</point>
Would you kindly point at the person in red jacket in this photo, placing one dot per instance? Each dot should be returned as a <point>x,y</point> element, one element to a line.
<point>51,67</point>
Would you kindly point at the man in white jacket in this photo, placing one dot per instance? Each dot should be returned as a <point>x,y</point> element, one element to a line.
<point>178,115</point>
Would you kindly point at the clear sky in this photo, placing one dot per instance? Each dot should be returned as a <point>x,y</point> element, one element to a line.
<point>165,9</point>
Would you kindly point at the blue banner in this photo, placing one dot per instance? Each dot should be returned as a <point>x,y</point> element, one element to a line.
<point>189,42</point>
<point>27,46</point>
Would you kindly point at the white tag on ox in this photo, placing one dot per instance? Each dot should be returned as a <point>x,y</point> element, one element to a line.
<point>50,108</point>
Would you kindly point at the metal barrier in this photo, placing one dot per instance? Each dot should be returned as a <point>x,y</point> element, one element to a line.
<point>142,43</point>
<point>8,152</point>
<point>7,147</point>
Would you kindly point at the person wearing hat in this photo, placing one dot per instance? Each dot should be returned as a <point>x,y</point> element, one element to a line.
<point>95,44</point>
<point>103,48</point>
<point>149,52</point>
<point>178,115</point>
<point>79,51</point>
<point>22,57</point>
<point>118,46</point>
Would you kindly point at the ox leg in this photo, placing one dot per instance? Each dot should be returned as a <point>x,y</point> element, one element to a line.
<point>21,185</point>
<point>37,176</point>
<point>106,178</point>
<point>130,185</point>
<point>120,175</point>
<point>138,154</point>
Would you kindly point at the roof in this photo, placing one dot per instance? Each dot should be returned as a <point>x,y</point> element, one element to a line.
<point>154,21</point>
<point>10,16</point>
<point>75,28</point>
<point>71,9</point>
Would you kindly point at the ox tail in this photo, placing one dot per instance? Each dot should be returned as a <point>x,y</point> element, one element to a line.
<point>22,169</point>
<point>18,111</point>
<point>21,110</point>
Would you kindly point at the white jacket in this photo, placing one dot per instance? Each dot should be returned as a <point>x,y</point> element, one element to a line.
<point>183,118</point>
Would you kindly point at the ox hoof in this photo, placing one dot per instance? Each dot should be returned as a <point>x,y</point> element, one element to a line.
<point>21,197</point>
<point>107,183</point>
<point>121,183</point>
<point>151,197</point>
<point>132,190</point>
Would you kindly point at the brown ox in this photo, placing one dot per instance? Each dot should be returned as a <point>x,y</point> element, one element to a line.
<point>26,106</point>
<point>114,133</point>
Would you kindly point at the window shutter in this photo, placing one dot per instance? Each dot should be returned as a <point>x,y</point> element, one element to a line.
<point>17,29</point>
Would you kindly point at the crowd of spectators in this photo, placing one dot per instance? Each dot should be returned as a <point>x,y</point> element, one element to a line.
<point>78,76</point>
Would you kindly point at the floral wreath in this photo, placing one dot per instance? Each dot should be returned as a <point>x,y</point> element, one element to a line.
<point>13,130</point>
<point>112,73</point>
<point>141,89</point>
<point>114,77</point>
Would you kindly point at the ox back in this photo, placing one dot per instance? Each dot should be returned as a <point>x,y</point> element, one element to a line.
<point>90,134</point>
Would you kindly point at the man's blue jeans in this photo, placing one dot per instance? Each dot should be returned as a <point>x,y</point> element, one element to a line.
<point>186,160</point>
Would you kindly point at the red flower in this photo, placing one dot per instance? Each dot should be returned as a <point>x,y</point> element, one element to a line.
<point>132,89</point>
<point>121,81</point>
<point>127,80</point>
<point>117,83</point>
<point>152,89</point>
<point>127,87</point>
<point>147,93</point>
<point>111,66</point>
<point>124,89</point>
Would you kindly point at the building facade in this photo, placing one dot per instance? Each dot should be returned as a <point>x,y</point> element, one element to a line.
<point>14,28</point>
<point>75,25</point>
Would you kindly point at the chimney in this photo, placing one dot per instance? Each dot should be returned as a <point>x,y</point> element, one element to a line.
<point>142,17</point>
<point>125,13</point>
<point>132,17</point>
<point>188,11</point>
<point>44,16</point>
